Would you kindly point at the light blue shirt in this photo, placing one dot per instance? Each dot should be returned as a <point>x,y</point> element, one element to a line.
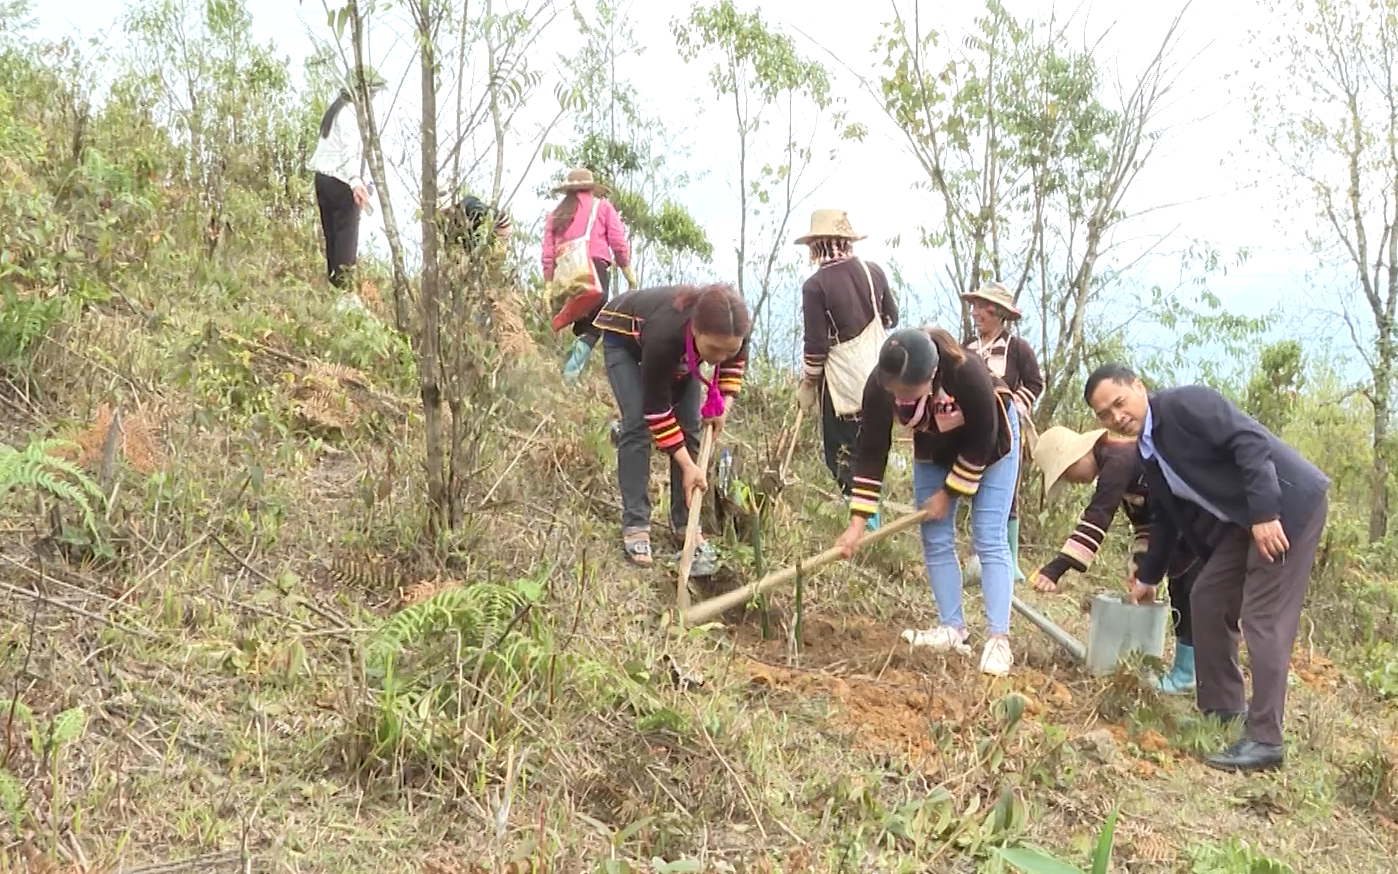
<point>1178,486</point>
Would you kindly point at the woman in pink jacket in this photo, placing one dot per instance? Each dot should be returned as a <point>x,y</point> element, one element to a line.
<point>607,243</point>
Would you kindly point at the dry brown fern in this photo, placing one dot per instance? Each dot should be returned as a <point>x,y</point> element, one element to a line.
<point>424,589</point>
<point>507,314</point>
<point>364,573</point>
<point>138,440</point>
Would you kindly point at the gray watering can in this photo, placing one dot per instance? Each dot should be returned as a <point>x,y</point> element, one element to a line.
<point>1116,628</point>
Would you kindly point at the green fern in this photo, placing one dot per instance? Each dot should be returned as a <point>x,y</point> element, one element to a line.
<point>24,322</point>
<point>479,614</point>
<point>14,800</point>
<point>416,658</point>
<point>38,467</point>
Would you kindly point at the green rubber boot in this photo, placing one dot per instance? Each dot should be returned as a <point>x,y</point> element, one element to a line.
<point>1181,679</point>
<point>1015,573</point>
<point>577,360</point>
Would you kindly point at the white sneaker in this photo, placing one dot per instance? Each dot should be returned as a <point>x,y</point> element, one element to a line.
<point>940,639</point>
<point>996,658</point>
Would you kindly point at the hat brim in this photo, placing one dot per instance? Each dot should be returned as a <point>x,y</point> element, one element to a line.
<point>1075,452</point>
<point>853,238</point>
<point>1012,311</point>
<point>594,187</point>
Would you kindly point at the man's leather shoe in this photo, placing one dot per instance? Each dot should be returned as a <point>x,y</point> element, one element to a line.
<point>1228,717</point>
<point>1247,755</point>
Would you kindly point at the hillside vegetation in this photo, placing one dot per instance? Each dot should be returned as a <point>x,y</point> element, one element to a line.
<point>231,640</point>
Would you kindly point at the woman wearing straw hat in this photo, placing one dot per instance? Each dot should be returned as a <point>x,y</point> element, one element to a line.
<point>583,233</point>
<point>847,307</point>
<point>341,190</point>
<point>1065,456</point>
<point>1011,358</point>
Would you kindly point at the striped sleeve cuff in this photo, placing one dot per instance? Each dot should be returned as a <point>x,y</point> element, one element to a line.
<point>1082,545</point>
<point>665,428</point>
<point>965,477</point>
<point>1026,397</point>
<point>864,497</point>
<point>730,376</point>
<point>813,366</point>
<point>1141,542</point>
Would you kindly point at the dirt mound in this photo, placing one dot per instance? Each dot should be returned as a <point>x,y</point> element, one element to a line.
<point>892,700</point>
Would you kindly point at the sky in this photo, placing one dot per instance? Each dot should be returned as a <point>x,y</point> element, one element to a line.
<point>1201,185</point>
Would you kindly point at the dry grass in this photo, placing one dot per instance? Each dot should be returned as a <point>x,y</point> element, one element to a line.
<point>219,665</point>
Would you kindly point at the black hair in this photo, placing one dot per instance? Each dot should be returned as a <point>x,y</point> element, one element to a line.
<point>830,249</point>
<point>911,355</point>
<point>1114,371</point>
<point>327,121</point>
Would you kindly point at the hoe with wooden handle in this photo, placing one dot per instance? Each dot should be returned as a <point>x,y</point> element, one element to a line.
<point>717,606</point>
<point>691,531</point>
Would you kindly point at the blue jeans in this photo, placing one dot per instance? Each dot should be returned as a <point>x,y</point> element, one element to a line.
<point>990,515</point>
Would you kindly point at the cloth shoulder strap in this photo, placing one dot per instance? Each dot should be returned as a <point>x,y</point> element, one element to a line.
<point>873,293</point>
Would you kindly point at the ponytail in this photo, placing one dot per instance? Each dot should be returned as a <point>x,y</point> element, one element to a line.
<point>327,121</point>
<point>947,345</point>
<point>565,212</point>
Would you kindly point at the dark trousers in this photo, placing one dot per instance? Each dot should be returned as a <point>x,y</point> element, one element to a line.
<point>583,328</point>
<point>1181,587</point>
<point>339,223</point>
<point>838,433</point>
<point>1238,586</point>
<point>634,443</point>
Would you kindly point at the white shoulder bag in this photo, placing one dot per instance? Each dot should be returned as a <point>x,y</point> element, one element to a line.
<point>848,365</point>
<point>572,271</point>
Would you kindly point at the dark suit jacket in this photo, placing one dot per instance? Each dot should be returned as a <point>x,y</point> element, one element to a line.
<point>1231,461</point>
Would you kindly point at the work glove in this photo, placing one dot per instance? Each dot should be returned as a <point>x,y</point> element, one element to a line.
<point>808,394</point>
<point>630,275</point>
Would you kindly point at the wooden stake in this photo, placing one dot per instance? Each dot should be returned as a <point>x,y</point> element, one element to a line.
<point>691,531</point>
<point>795,435</point>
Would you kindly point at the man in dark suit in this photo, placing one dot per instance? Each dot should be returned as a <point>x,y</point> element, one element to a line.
<point>1201,450</point>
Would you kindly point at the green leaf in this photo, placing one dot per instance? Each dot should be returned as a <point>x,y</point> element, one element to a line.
<point>1029,860</point>
<point>1102,858</point>
<point>69,726</point>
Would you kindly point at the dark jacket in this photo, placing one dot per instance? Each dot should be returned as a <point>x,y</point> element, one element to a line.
<point>1010,357</point>
<point>1121,485</point>
<point>962,426</point>
<point>648,324</point>
<point>837,306</point>
<point>1231,461</point>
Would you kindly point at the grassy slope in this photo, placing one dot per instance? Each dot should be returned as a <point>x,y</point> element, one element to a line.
<point>234,718</point>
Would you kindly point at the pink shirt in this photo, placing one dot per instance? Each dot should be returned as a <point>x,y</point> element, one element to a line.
<point>608,242</point>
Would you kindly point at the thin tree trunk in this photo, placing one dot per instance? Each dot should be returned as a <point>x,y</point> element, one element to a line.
<point>742,182</point>
<point>373,150</point>
<point>496,118</point>
<point>1378,485</point>
<point>429,354</point>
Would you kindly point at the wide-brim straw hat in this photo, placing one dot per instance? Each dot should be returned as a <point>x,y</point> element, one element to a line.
<point>829,223</point>
<point>1060,448</point>
<point>1000,296</point>
<point>580,179</point>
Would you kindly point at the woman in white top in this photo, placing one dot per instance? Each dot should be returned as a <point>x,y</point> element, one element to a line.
<point>338,163</point>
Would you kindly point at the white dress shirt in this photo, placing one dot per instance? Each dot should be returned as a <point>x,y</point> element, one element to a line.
<point>341,154</point>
